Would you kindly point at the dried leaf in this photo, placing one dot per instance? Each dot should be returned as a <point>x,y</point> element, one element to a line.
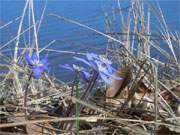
<point>142,88</point>
<point>118,85</point>
<point>165,131</point>
<point>35,129</point>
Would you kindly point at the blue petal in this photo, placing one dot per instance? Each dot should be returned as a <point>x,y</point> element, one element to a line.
<point>85,75</point>
<point>34,57</point>
<point>82,60</point>
<point>37,71</point>
<point>106,72</point>
<point>108,62</point>
<point>110,69</point>
<point>44,67</point>
<point>27,58</point>
<point>66,66</point>
<point>105,78</point>
<point>94,65</point>
<point>97,64</point>
<point>115,70</point>
<point>92,56</point>
<point>44,61</point>
<point>112,76</point>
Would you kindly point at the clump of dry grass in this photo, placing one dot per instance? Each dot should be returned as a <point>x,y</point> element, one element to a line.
<point>146,101</point>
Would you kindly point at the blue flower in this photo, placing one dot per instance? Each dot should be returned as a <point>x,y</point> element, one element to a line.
<point>101,65</point>
<point>82,73</point>
<point>37,65</point>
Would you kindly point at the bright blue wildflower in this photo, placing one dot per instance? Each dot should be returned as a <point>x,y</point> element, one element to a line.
<point>82,73</point>
<point>38,66</point>
<point>101,65</point>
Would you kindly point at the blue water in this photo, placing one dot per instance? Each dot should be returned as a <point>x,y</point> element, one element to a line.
<point>68,36</point>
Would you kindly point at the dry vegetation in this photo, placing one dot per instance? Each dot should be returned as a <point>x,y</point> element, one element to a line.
<point>146,101</point>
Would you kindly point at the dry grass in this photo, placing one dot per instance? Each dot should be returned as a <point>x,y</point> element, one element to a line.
<point>148,101</point>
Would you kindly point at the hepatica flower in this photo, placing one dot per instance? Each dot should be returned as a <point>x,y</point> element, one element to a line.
<point>38,66</point>
<point>101,65</point>
<point>80,70</point>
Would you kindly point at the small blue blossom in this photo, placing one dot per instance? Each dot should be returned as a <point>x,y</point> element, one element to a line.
<point>38,66</point>
<point>101,65</point>
<point>82,73</point>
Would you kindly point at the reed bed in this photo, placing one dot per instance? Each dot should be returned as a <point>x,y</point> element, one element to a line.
<point>145,101</point>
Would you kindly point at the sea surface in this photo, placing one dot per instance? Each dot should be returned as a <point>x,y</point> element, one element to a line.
<point>70,37</point>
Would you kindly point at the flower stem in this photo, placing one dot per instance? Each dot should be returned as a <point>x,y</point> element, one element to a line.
<point>85,94</point>
<point>77,106</point>
<point>90,86</point>
<point>74,83</point>
<point>25,95</point>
